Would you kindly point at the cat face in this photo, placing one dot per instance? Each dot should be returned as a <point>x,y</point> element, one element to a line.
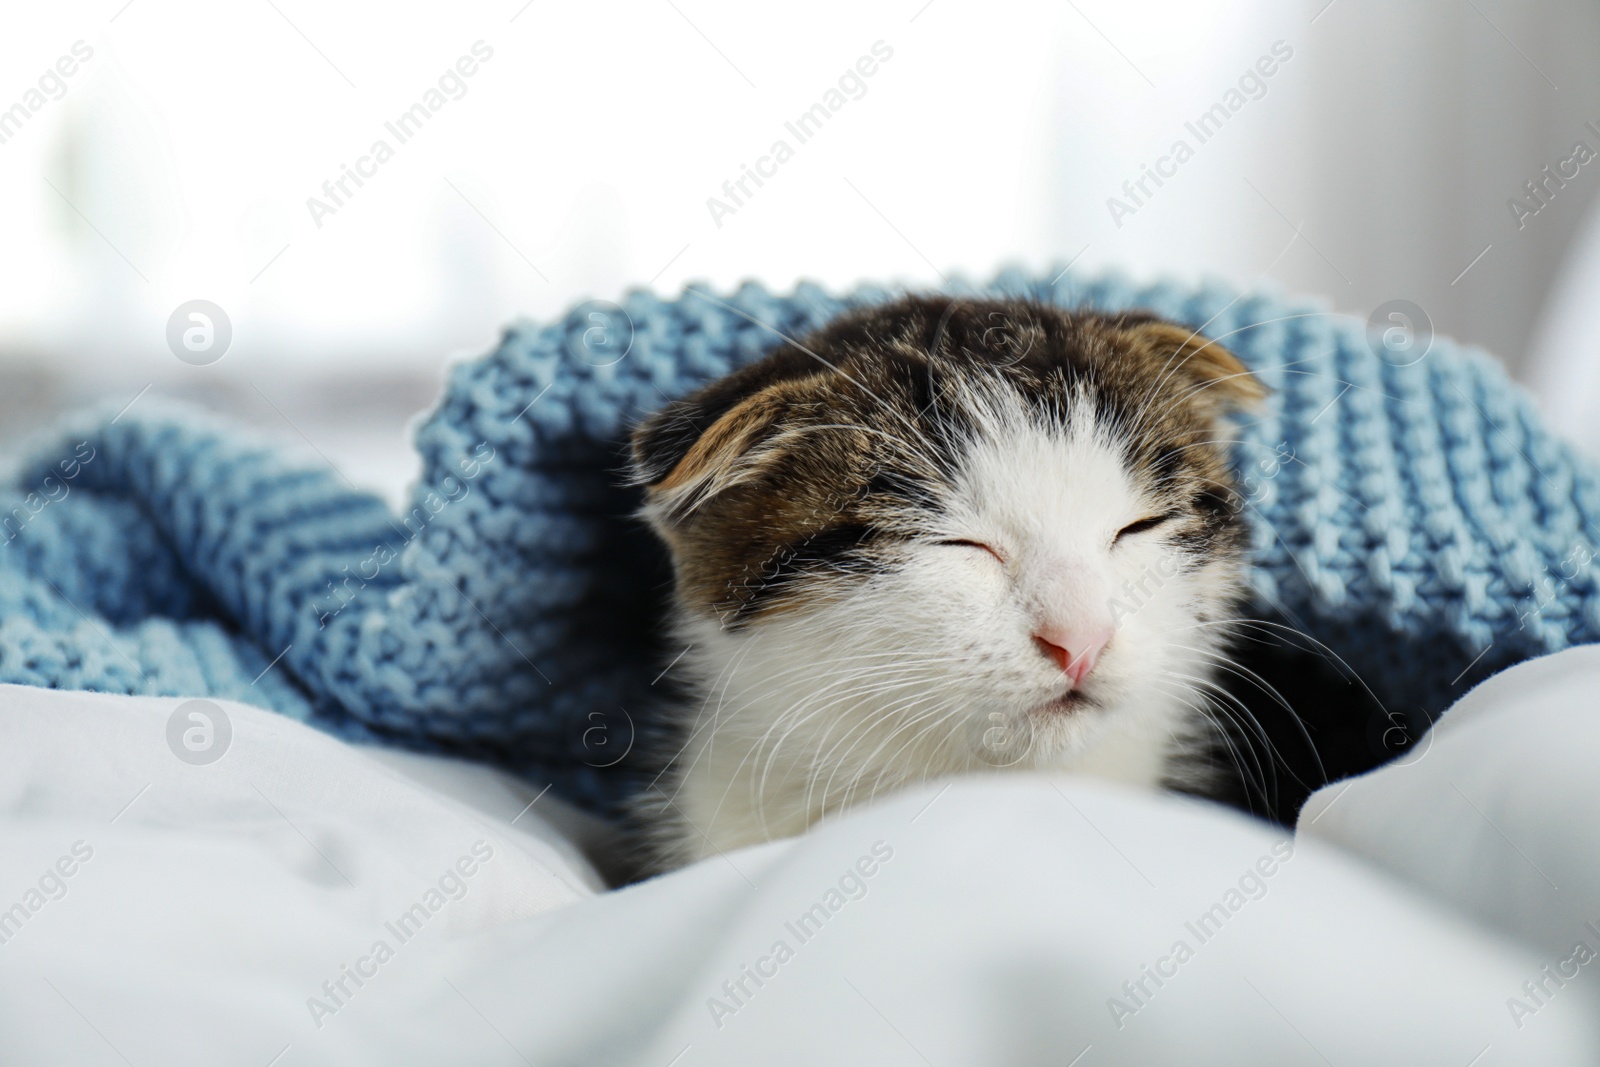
<point>943,535</point>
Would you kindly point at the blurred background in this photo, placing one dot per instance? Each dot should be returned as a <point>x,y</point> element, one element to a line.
<point>158,152</point>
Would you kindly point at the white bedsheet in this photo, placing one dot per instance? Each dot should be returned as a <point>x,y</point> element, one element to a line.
<point>1496,810</point>
<point>215,913</point>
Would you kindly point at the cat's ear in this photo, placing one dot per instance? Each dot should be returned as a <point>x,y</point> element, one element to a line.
<point>695,448</point>
<point>1216,381</point>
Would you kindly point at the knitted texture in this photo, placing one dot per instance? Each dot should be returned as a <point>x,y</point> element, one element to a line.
<point>1415,517</point>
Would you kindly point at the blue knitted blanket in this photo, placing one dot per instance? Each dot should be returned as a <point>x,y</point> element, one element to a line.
<point>1412,515</point>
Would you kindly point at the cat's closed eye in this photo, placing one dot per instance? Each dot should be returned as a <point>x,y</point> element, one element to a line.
<point>959,542</point>
<point>1142,525</point>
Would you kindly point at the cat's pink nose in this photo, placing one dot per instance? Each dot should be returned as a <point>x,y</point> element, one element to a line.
<point>1075,652</point>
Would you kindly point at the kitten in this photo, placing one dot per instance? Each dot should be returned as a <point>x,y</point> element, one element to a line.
<point>941,536</point>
